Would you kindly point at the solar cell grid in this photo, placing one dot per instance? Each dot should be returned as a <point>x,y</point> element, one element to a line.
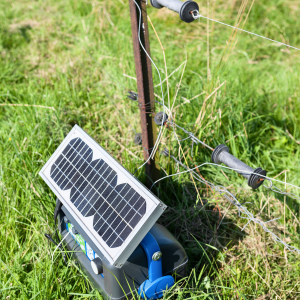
<point>111,207</point>
<point>94,192</point>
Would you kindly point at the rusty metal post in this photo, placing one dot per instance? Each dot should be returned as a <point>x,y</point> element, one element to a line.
<point>144,85</point>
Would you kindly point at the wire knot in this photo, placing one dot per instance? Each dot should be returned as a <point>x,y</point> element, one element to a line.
<point>195,14</point>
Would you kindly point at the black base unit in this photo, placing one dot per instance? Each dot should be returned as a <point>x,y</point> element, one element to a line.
<point>119,283</point>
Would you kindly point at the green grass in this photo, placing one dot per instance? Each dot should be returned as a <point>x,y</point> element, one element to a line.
<point>44,61</point>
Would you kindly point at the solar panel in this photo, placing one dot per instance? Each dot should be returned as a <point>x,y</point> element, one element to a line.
<point>113,208</point>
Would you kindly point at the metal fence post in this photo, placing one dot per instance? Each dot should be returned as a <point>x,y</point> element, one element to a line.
<point>144,85</point>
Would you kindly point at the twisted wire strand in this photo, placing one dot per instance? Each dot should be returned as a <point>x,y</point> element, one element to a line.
<point>196,15</point>
<point>271,186</point>
<point>191,135</point>
<point>275,189</point>
<point>243,212</point>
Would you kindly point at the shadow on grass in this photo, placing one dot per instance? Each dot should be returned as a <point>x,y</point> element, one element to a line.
<point>200,226</point>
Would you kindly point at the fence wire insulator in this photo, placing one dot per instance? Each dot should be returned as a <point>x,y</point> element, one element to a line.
<point>182,8</point>
<point>221,155</point>
<point>161,118</point>
<point>166,152</point>
<point>138,138</point>
<point>132,96</point>
<point>243,212</point>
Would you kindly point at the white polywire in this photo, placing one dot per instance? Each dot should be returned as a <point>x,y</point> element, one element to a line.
<point>191,135</point>
<point>198,16</point>
<point>58,246</point>
<point>162,93</point>
<point>57,227</point>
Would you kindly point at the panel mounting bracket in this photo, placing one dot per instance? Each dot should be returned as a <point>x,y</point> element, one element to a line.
<point>156,284</point>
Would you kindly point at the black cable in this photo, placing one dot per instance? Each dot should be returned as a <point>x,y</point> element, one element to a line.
<point>56,212</point>
<point>64,256</point>
<point>49,237</point>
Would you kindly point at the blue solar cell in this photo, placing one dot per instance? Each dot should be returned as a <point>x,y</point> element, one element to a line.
<point>117,209</point>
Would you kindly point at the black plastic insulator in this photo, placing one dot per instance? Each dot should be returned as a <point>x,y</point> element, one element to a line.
<point>255,181</point>
<point>155,3</point>
<point>216,153</point>
<point>160,118</point>
<point>138,138</point>
<point>221,155</point>
<point>165,152</point>
<point>186,10</point>
<point>132,96</point>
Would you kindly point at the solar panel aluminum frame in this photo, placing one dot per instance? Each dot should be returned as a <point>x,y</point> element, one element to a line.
<point>155,207</point>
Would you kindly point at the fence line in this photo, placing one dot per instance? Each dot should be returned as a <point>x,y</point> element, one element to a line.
<point>243,211</point>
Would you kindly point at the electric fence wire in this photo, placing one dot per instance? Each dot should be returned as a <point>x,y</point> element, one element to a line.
<point>191,136</point>
<point>275,189</point>
<point>58,246</point>
<point>219,188</point>
<point>242,210</point>
<point>196,15</point>
<point>271,186</point>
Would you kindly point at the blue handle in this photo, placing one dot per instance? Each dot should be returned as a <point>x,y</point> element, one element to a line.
<point>151,246</point>
<point>154,287</point>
